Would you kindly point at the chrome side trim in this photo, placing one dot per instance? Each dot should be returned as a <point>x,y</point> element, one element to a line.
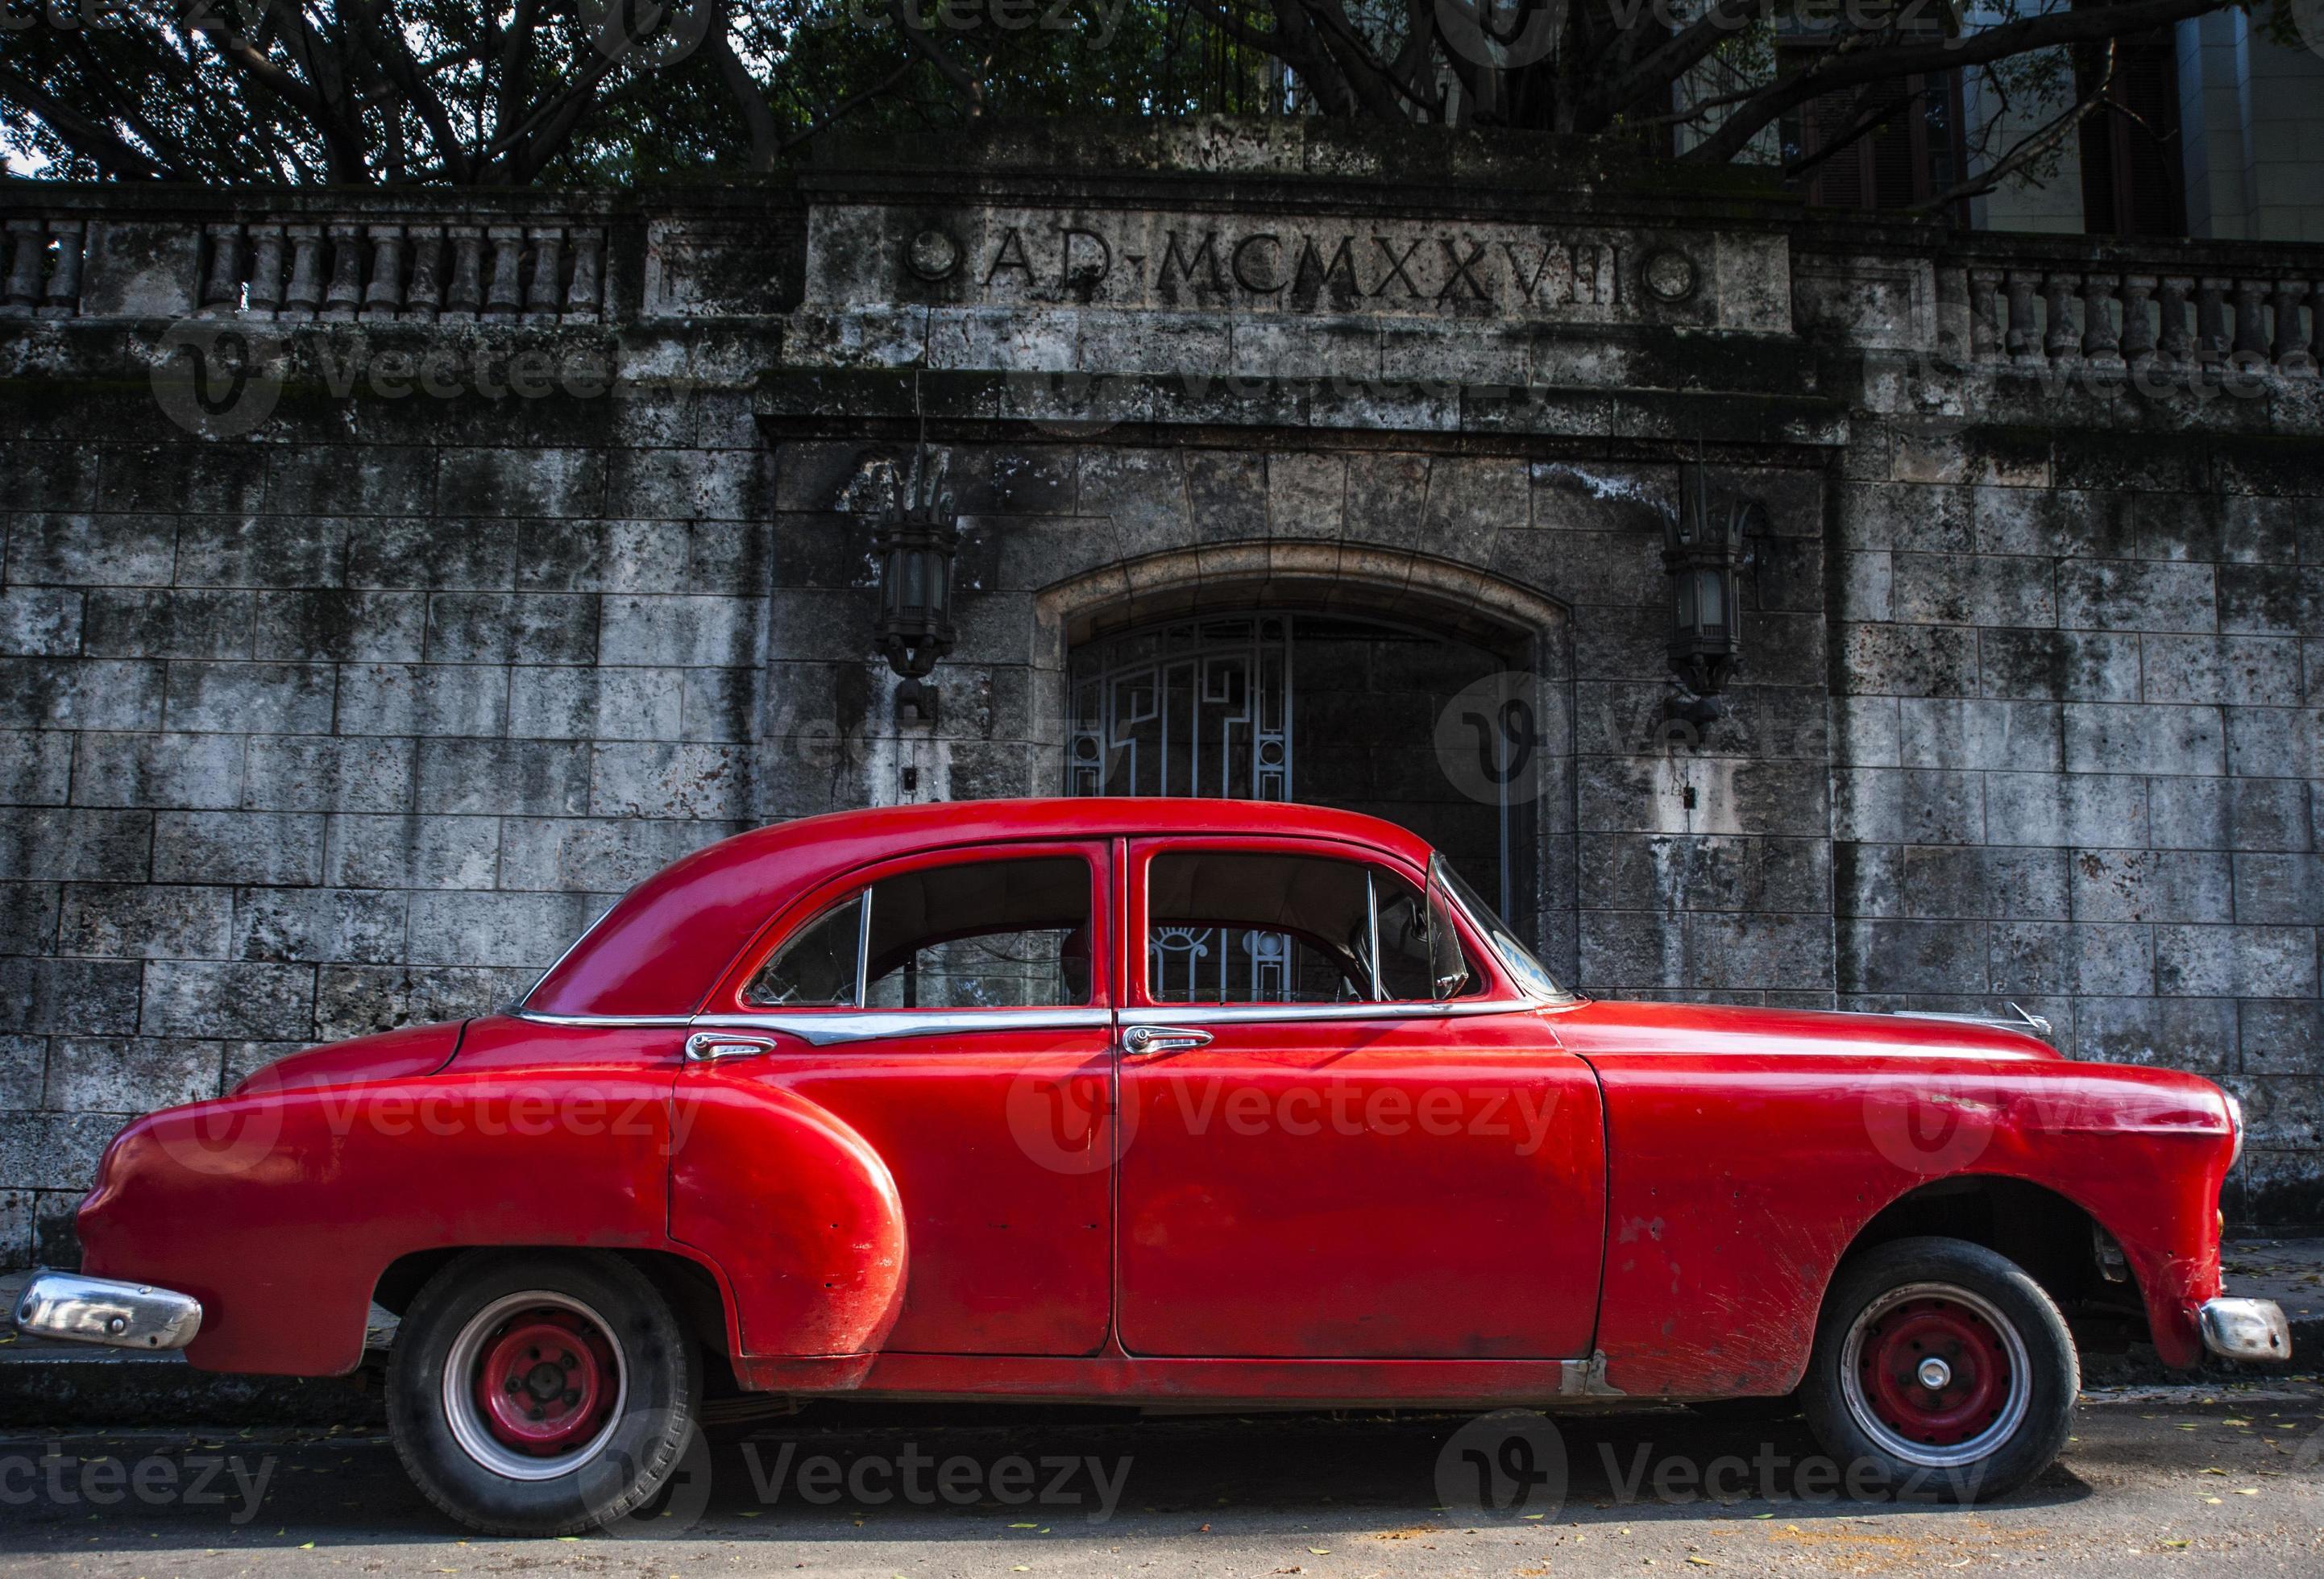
<point>600,1022</point>
<point>98,1310</point>
<point>2245,1329</point>
<point>1277,1013</point>
<point>839,1027</point>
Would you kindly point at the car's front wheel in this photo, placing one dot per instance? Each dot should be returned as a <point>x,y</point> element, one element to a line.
<point>1941,1371</point>
<point>537,1392</point>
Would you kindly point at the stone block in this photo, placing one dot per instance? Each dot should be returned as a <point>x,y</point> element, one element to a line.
<point>226,478</point>
<point>496,929</point>
<point>1965,733</point>
<point>186,771</point>
<point>2196,1034</point>
<point>318,925</point>
<point>167,624</point>
<point>526,482</point>
<point>93,550</point>
<point>2231,813</point>
<point>88,997</point>
<point>683,485</point>
<point>1867,732</point>
<point>592,704</point>
<point>1973,589</point>
<point>2138,595</point>
<point>423,699</point>
<point>2152,886</point>
<point>2280,889</point>
<point>277,847</point>
<point>138,921</point>
<point>76,845</point>
<point>122,1075</point>
<point>2244,670</point>
<point>1903,660</point>
<point>670,779</point>
<point>36,766</point>
<point>2080,958</point>
<point>414,851</point>
<point>295,774</point>
<point>595,855</point>
<point>533,778</point>
<point>2275,742</point>
<point>435,555</point>
<point>499,627</point>
<point>356,1000</point>
<point>1914,518</point>
<point>2273,600</point>
<point>40,622</point>
<point>241,1001</point>
<point>681,631</point>
<point>2059,665</point>
<point>259,699</point>
<point>2055,523</point>
<point>1904,805</point>
<point>1891,956</point>
<point>2236,961</point>
<point>2064,809</point>
<point>335,624</point>
<point>28,917</point>
<point>351,480</point>
<point>2150,738</point>
<point>1982,881</point>
<point>23,1063</point>
<point>602,557</point>
<point>261,551</point>
<point>2280,1037</point>
<point>53,1150</point>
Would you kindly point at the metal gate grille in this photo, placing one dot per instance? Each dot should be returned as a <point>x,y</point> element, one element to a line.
<point>1198,708</point>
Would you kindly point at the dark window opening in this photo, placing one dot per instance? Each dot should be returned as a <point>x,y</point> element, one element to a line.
<point>2132,180</point>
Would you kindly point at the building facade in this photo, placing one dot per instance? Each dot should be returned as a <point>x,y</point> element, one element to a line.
<point>392,580</point>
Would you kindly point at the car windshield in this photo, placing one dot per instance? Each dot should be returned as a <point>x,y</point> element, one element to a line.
<point>1531,974</point>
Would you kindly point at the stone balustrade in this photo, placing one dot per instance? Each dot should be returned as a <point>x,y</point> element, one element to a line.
<point>2251,308</point>
<point>43,267</point>
<point>342,271</point>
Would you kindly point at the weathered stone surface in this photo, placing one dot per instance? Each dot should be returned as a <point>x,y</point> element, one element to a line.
<point>356,722</point>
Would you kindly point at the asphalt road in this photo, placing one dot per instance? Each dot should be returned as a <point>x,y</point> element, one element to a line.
<point>2153,1479</point>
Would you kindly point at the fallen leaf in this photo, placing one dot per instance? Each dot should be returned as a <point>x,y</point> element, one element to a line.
<point>1024,1526</point>
<point>1319,1551</point>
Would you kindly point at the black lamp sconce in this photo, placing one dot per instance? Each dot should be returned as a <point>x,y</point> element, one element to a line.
<point>913,543</point>
<point>1702,551</point>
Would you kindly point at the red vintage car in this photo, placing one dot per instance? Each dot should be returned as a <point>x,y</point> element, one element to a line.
<point>1172,1101</point>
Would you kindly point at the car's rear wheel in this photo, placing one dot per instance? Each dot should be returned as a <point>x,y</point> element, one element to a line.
<point>538,1392</point>
<point>1943,1369</point>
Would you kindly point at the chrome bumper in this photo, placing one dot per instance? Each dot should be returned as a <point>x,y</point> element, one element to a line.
<point>2245,1329</point>
<point>98,1310</point>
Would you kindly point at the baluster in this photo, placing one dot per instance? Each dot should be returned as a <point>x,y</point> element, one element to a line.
<point>505,298</point>
<point>2251,323</point>
<point>265,294</point>
<point>62,299</point>
<point>542,289</point>
<point>427,293</point>
<point>222,287</point>
<point>2101,340</point>
<point>2059,337</point>
<point>2290,348</point>
<point>2137,326</point>
<point>2023,337</point>
<point>2172,302</point>
<point>466,294</point>
<point>303,297</point>
<point>345,295</point>
<point>2316,327</point>
<point>385,294</point>
<point>581,297</point>
<point>1985,313</point>
<point>2211,319</point>
<point>28,262</point>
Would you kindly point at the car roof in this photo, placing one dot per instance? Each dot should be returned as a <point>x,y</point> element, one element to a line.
<point>664,945</point>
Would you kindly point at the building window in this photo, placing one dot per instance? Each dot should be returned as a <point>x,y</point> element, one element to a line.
<point>1891,144</point>
<point>2132,184</point>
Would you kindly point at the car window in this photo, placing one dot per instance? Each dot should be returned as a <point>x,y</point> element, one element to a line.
<point>1262,927</point>
<point>979,935</point>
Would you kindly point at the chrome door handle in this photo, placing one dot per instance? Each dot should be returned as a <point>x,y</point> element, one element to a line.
<point>708,1046</point>
<point>1146,1041</point>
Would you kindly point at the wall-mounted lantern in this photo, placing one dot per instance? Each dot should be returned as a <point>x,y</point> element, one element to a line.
<point>1702,550</point>
<point>914,544</point>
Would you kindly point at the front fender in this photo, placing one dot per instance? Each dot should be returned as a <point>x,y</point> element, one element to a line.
<point>796,1208</point>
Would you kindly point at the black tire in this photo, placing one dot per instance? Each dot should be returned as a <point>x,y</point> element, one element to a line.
<point>630,1415</point>
<point>1943,1369</point>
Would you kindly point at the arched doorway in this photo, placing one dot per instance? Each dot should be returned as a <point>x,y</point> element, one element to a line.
<point>1414,689</point>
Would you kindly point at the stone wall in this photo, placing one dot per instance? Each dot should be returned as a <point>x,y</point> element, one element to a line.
<point>351,710</point>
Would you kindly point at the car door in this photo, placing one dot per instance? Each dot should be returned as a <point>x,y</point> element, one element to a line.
<point>953,1010</point>
<point>1317,1158</point>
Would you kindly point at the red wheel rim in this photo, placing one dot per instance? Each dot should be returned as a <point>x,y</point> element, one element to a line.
<point>545,1385</point>
<point>1934,1370</point>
